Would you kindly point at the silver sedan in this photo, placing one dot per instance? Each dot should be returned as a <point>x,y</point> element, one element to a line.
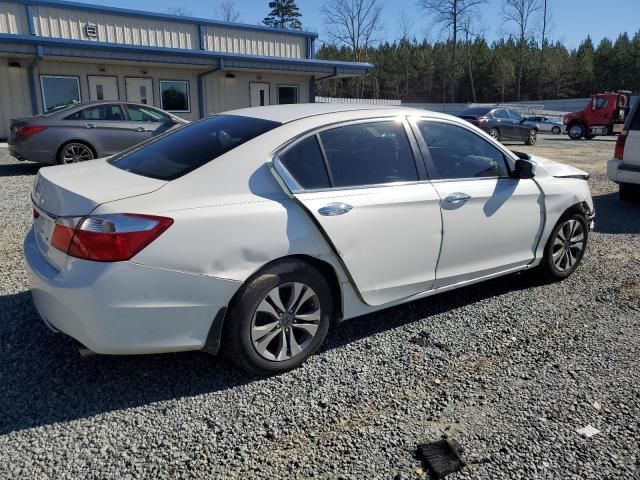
<point>545,124</point>
<point>86,131</point>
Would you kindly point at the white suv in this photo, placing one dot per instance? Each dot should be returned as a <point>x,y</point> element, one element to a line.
<point>624,168</point>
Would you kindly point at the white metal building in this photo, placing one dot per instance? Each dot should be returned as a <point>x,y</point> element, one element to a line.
<point>53,52</point>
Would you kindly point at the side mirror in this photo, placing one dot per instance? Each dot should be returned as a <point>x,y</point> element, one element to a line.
<point>524,169</point>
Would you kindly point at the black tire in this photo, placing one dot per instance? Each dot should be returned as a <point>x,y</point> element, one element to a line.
<point>495,133</point>
<point>532,138</point>
<point>556,130</point>
<point>629,192</point>
<point>548,268</point>
<point>576,131</point>
<point>237,331</point>
<point>89,151</point>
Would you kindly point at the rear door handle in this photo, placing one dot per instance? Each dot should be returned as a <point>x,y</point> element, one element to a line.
<point>88,125</point>
<point>141,129</point>
<point>334,209</point>
<point>457,197</point>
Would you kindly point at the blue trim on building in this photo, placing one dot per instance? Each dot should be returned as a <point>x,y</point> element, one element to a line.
<point>203,45</point>
<point>313,48</point>
<point>115,47</point>
<point>31,79</point>
<point>32,26</point>
<point>312,90</point>
<point>161,16</point>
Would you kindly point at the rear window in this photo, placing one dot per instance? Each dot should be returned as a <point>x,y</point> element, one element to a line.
<point>475,112</point>
<point>181,151</point>
<point>633,122</point>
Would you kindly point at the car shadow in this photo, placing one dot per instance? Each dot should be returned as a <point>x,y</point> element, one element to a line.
<point>19,169</point>
<point>44,380</point>
<point>616,216</point>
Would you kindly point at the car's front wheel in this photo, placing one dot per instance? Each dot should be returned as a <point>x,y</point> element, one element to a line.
<point>566,246</point>
<point>555,130</point>
<point>576,131</point>
<point>279,319</point>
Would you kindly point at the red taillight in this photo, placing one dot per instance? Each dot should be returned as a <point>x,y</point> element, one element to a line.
<point>622,139</point>
<point>107,238</point>
<point>28,130</point>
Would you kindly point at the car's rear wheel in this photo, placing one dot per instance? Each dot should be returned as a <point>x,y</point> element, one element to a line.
<point>566,246</point>
<point>74,152</point>
<point>576,131</point>
<point>279,319</point>
<point>495,133</point>
<point>629,192</point>
<point>555,130</point>
<point>532,138</point>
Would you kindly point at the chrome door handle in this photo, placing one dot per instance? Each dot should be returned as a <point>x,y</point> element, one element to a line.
<point>333,209</point>
<point>88,125</point>
<point>457,197</point>
<point>141,129</point>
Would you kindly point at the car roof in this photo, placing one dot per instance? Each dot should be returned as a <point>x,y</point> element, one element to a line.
<point>293,112</point>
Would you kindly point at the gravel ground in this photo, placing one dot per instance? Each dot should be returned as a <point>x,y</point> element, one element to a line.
<point>510,369</point>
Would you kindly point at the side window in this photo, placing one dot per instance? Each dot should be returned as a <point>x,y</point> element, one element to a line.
<point>111,113</point>
<point>601,102</point>
<point>515,116</point>
<point>501,113</point>
<point>75,116</point>
<point>369,154</point>
<point>143,114</point>
<point>305,164</point>
<point>458,153</point>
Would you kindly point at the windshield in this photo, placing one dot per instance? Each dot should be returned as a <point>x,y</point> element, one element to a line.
<point>181,151</point>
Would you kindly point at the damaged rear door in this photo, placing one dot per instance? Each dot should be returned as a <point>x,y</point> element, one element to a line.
<point>362,185</point>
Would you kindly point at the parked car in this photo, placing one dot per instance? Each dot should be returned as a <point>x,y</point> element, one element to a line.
<point>544,124</point>
<point>624,168</point>
<point>85,131</point>
<point>255,230</point>
<point>501,123</point>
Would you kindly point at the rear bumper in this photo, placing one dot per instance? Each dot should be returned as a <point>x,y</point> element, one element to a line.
<point>620,173</point>
<point>124,307</point>
<point>22,150</point>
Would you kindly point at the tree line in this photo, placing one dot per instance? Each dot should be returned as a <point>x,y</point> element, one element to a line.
<point>523,64</point>
<point>421,71</point>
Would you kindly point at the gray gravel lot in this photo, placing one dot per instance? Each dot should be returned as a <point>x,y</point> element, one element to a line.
<point>511,369</point>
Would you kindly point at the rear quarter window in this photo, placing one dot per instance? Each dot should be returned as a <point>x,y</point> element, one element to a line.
<point>181,151</point>
<point>634,120</point>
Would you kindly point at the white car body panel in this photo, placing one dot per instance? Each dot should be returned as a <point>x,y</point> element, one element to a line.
<point>385,222</point>
<point>497,228</point>
<point>233,215</point>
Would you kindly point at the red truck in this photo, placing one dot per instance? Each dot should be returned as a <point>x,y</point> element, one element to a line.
<point>605,114</point>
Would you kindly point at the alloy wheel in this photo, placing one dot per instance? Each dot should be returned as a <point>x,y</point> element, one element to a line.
<point>533,136</point>
<point>285,322</point>
<point>568,246</point>
<point>494,133</point>
<point>76,152</point>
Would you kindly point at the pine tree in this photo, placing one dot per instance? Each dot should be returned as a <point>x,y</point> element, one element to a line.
<point>284,14</point>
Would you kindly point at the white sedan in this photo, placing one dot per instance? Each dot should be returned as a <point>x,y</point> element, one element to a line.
<point>255,230</point>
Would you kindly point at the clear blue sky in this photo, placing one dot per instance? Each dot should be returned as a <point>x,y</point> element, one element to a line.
<point>572,20</point>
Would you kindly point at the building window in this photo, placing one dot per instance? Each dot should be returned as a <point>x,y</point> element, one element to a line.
<point>59,90</point>
<point>287,94</point>
<point>174,95</point>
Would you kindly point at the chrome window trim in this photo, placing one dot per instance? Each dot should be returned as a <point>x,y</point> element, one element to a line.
<point>295,188</point>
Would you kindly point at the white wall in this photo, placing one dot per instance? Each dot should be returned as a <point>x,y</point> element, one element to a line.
<point>224,93</point>
<point>13,19</point>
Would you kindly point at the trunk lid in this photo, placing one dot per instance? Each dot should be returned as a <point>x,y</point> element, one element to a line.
<point>75,191</point>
